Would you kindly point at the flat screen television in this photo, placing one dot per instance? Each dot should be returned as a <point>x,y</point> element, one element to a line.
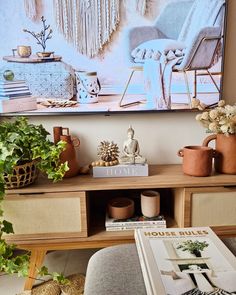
<point>111,56</point>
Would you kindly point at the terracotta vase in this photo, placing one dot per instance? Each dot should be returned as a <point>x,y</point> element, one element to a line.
<point>58,131</point>
<point>69,155</point>
<point>225,161</point>
<point>197,160</point>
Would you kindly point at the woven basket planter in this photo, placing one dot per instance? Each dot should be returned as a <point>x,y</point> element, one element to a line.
<point>21,176</point>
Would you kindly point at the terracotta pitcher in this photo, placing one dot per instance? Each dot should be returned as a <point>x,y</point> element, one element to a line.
<point>69,155</point>
<point>197,160</point>
<point>58,131</point>
<point>225,145</point>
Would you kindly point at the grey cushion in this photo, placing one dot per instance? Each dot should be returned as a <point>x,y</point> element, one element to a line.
<point>115,271</point>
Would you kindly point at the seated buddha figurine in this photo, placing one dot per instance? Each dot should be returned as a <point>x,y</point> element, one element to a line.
<point>131,150</point>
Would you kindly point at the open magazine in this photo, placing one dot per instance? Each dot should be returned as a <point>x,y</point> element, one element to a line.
<point>188,261</point>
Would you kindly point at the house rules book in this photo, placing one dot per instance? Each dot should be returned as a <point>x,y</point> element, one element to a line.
<point>189,261</point>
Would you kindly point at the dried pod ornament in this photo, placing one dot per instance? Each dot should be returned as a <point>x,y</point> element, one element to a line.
<point>108,153</point>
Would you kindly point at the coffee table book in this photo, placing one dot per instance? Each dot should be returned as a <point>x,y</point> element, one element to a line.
<point>169,267</point>
<point>135,222</point>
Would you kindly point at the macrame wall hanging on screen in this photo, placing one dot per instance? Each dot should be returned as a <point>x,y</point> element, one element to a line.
<point>31,8</point>
<point>88,24</point>
<point>141,6</point>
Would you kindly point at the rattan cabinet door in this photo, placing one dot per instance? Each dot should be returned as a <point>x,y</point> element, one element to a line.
<point>47,215</point>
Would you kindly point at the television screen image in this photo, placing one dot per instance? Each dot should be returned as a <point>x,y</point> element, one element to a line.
<point>115,56</point>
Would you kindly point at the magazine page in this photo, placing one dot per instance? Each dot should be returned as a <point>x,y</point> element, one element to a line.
<point>187,261</point>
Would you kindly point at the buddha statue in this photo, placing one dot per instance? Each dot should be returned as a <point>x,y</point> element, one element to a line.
<point>131,150</point>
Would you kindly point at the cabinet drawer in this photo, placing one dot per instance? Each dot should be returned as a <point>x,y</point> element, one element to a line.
<point>213,207</point>
<point>47,215</point>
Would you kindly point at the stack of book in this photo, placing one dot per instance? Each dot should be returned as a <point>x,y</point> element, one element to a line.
<point>133,223</point>
<point>15,96</point>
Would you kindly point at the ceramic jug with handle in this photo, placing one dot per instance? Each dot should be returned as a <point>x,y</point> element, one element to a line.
<point>69,154</point>
<point>225,145</point>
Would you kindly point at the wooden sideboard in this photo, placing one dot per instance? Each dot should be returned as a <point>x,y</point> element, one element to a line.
<point>70,214</point>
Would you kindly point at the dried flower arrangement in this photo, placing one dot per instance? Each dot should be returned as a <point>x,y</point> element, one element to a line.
<point>220,120</point>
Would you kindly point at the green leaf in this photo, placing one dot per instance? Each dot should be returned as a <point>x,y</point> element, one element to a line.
<point>2,247</point>
<point>43,271</point>
<point>58,277</point>
<point>2,190</point>
<point>7,227</point>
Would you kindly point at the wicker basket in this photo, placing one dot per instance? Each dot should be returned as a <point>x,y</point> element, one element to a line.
<point>21,176</point>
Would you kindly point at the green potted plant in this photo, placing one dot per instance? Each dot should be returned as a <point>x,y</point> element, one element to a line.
<point>22,143</point>
<point>193,247</point>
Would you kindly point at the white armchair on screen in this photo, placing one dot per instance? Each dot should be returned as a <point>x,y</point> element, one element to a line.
<point>193,40</point>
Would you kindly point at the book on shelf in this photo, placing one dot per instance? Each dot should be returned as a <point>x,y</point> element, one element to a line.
<point>20,104</point>
<point>187,261</point>
<point>15,95</point>
<point>14,88</point>
<point>133,227</point>
<point>10,83</point>
<point>137,221</point>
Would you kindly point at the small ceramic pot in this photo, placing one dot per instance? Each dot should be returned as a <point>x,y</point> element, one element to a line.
<point>197,160</point>
<point>150,203</point>
<point>121,208</point>
<point>24,51</point>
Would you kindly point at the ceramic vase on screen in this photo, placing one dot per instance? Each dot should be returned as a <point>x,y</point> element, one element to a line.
<point>150,203</point>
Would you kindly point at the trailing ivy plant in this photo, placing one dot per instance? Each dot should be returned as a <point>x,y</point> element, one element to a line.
<point>21,142</point>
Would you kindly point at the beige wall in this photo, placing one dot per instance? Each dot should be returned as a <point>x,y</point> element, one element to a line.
<point>160,134</point>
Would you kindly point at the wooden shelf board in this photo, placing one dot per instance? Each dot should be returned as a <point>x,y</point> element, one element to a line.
<point>160,176</point>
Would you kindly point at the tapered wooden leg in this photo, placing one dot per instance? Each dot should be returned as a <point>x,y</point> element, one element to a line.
<point>36,261</point>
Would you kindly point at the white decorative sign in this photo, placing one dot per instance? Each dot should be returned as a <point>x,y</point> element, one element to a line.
<point>121,171</point>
